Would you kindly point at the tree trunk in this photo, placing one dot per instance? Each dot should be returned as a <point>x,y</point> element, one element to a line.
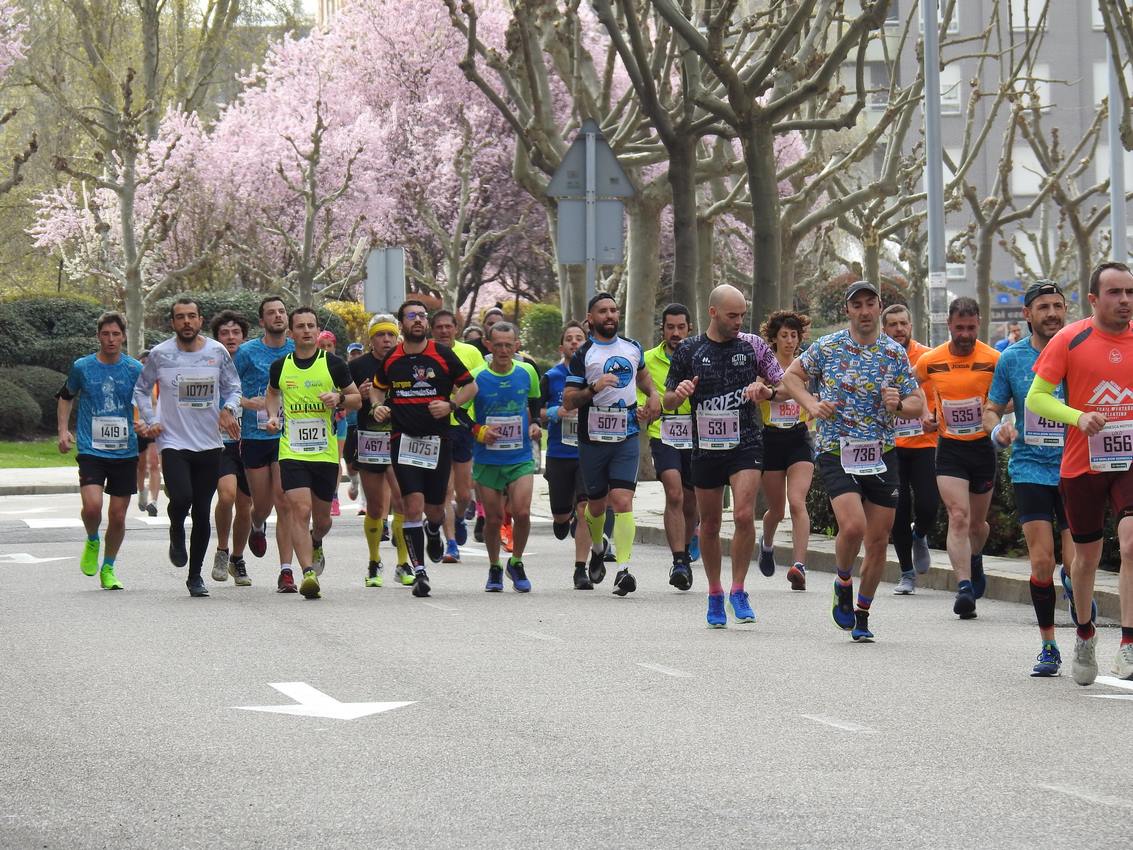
<point>759,157</point>
<point>135,300</point>
<point>643,271</point>
<point>1082,263</point>
<point>682,182</point>
<point>871,261</point>
<point>706,253</point>
<point>984,239</point>
<point>788,261</point>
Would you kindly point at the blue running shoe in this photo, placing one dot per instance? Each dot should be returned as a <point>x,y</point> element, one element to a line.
<point>843,609</point>
<point>717,619</point>
<point>979,580</point>
<point>518,577</point>
<point>741,606</point>
<point>452,553</point>
<point>1048,662</point>
<point>1068,592</point>
<point>495,582</point>
<point>460,531</point>
<point>861,632</point>
<point>694,549</point>
<point>766,559</point>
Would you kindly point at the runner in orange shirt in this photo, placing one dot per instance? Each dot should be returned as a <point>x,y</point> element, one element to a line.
<point>961,371</point>
<point>1093,358</point>
<point>918,499</point>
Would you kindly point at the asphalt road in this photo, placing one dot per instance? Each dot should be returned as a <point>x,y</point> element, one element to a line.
<point>556,719</point>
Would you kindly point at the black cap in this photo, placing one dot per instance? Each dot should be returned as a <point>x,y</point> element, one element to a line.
<point>598,296</point>
<point>861,286</point>
<point>1040,288</point>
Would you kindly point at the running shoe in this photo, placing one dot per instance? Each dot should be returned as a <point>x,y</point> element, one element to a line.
<point>107,578</point>
<point>258,540</point>
<point>220,566</point>
<point>717,618</point>
<point>151,509</point>
<point>766,559</point>
<point>979,580</point>
<point>452,553</point>
<point>922,558</point>
<point>89,560</point>
<point>352,490</point>
<point>907,585</point>
<point>680,576</point>
<point>362,512</point>
<point>1084,668</point>
<point>478,530</point>
<point>1122,662</point>
<point>385,528</point>
<point>1068,592</point>
<point>318,557</point>
<point>495,582</point>
<point>597,568</point>
<point>694,548</point>
<point>582,578</point>
<point>505,536</point>
<point>608,553</point>
<point>861,632</point>
<point>624,583</point>
<point>1048,662</point>
<point>239,572</point>
<point>310,586</point>
<point>403,573</point>
<point>518,576</point>
<point>285,583</point>
<point>434,544</point>
<point>796,575</point>
<point>741,606</point>
<point>561,530</point>
<point>335,507</point>
<point>965,605</point>
<point>374,574</point>
<point>196,586</point>
<point>573,525</point>
<point>470,511</point>
<point>141,502</point>
<point>421,584</point>
<point>843,608</point>
<point>177,554</point>
<point>460,531</point>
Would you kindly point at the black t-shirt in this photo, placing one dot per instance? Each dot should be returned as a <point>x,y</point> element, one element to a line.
<point>339,371</point>
<point>362,370</point>
<point>411,381</point>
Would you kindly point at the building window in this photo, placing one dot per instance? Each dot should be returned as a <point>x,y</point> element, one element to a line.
<point>1025,14</point>
<point>878,80</point>
<point>1026,175</point>
<point>951,79</point>
<point>953,24</point>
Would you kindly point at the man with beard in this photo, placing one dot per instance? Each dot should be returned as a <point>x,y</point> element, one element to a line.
<point>1035,457</point>
<point>417,387</point>
<point>604,376</point>
<point>718,372</point>
<point>198,397</point>
<point>961,371</point>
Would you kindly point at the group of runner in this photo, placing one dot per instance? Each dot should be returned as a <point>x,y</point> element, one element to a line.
<point>897,427</point>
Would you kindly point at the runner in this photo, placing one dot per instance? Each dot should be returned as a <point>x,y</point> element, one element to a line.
<point>233,497</point>
<point>600,387</point>
<point>1035,458</point>
<point>918,499</point>
<point>309,386</point>
<point>864,385</point>
<point>961,371</point>
<point>788,453</point>
<point>456,531</point>
<point>505,414</point>
<point>491,316</point>
<point>353,351</point>
<point>198,395</point>
<point>259,449</point>
<point>718,371</point>
<point>328,342</point>
<point>107,445</point>
<point>1093,357</point>
<point>413,389</point>
<point>149,462</point>
<point>565,487</point>
<point>670,444</point>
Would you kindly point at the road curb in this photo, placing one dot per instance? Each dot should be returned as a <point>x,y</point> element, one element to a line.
<point>38,489</point>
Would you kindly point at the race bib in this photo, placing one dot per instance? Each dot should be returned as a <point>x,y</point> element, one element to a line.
<point>195,392</point>
<point>676,431</point>
<point>861,457</point>
<point>964,416</point>
<point>109,433</point>
<point>1111,449</point>
<point>374,447</point>
<point>608,424</point>
<point>907,428</point>
<point>510,429</point>
<point>570,430</point>
<point>717,430</point>
<point>1038,431</point>
<point>423,452</point>
<point>307,436</point>
<point>784,414</point>
<point>262,417</point>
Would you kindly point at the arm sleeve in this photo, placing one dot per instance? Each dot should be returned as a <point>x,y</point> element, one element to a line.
<point>339,371</point>
<point>534,396</point>
<point>1040,399</point>
<point>143,391</point>
<point>577,376</point>
<point>274,371</point>
<point>72,385</point>
<point>545,391</point>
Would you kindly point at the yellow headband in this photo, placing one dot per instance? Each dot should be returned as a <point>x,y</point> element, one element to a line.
<point>379,327</point>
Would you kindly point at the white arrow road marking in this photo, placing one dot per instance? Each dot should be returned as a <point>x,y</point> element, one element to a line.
<point>314,703</point>
<point>440,607</point>
<point>1114,682</point>
<point>668,671</point>
<point>536,635</point>
<point>26,511</point>
<point>1096,799</point>
<point>53,522</point>
<point>844,725</point>
<point>25,558</point>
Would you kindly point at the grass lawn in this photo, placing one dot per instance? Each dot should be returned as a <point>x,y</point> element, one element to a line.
<point>33,453</point>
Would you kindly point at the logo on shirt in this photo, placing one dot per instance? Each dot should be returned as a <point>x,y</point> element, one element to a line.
<point>1114,356</point>
<point>739,359</point>
<point>422,375</point>
<point>621,369</point>
<point>1110,394</point>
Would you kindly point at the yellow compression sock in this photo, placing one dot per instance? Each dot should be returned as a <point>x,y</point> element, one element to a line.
<point>596,524</point>
<point>373,527</point>
<point>399,538</point>
<point>624,528</point>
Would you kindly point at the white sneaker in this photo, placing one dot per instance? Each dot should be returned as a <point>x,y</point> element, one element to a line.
<point>907,586</point>
<point>1085,666</point>
<point>922,559</point>
<point>1123,662</point>
<point>220,566</point>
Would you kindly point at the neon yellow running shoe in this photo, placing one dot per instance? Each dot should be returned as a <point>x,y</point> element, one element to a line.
<point>310,586</point>
<point>108,579</point>
<point>374,574</point>
<point>89,561</point>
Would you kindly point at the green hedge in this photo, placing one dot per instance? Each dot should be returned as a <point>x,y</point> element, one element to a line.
<point>59,354</point>
<point>41,384</point>
<point>19,414</point>
<point>58,315</point>
<point>34,328</point>
<point>540,328</point>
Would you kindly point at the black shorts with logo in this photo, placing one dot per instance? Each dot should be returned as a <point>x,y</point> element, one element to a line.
<point>666,457</point>
<point>319,476</point>
<point>879,489</point>
<point>231,464</point>
<point>1039,502</point>
<point>431,483</point>
<point>565,486</point>
<point>972,460</point>
<point>116,476</point>
<point>784,447</point>
<point>713,470</point>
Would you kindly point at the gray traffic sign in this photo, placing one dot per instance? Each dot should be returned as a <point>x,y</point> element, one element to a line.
<point>385,280</point>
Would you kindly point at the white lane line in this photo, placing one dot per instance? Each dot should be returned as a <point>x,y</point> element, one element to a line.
<point>1096,799</point>
<point>668,671</point>
<point>53,522</point>
<point>1114,682</point>
<point>536,635</point>
<point>22,513</point>
<point>440,607</point>
<point>844,725</point>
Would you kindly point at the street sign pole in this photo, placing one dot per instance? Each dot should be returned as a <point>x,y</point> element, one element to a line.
<point>591,217</point>
<point>934,165</point>
<point>1116,164</point>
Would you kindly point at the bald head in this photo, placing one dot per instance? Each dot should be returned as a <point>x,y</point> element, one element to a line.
<point>726,310</point>
<point>726,295</point>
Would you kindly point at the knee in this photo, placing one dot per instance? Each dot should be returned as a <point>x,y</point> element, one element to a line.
<point>774,513</point>
<point>709,526</point>
<point>522,515</point>
<point>1126,547</point>
<point>798,508</point>
<point>958,518</point>
<point>116,517</point>
<point>744,514</point>
<point>853,529</point>
<point>1042,565</point>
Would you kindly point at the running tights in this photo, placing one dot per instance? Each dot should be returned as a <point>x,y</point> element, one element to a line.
<point>190,478</point>
<point>917,501</point>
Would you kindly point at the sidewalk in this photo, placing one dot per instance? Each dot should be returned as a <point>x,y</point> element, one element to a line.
<point>45,481</point>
